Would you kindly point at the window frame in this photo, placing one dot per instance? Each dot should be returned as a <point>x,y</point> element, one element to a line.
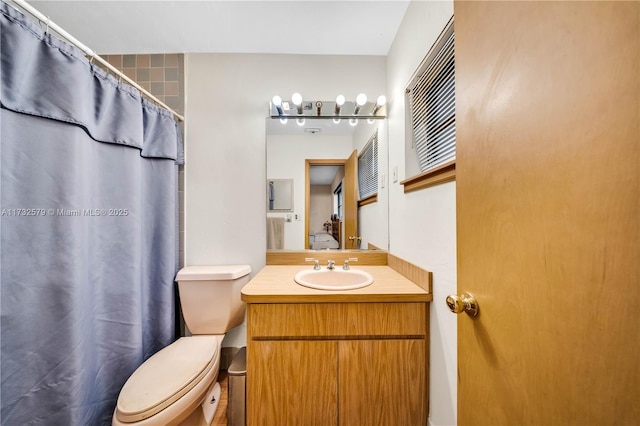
<point>441,172</point>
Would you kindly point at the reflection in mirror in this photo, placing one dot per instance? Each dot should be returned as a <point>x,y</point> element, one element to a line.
<point>324,198</point>
<point>324,224</point>
<point>279,195</point>
<point>325,206</point>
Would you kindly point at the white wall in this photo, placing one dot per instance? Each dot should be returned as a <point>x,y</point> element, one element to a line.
<point>423,223</point>
<point>227,99</point>
<point>321,202</point>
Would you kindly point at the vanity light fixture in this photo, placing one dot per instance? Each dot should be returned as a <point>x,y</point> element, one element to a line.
<point>297,107</point>
<point>296,98</point>
<point>360,101</point>
<point>339,102</point>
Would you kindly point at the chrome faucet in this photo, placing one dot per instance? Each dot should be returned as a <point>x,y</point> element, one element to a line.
<point>316,264</point>
<point>346,262</point>
<point>331,264</point>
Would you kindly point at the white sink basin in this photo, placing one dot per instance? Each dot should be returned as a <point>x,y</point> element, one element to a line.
<point>333,279</point>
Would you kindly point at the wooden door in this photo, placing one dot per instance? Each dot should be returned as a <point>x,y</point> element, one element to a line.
<point>350,189</point>
<point>548,212</point>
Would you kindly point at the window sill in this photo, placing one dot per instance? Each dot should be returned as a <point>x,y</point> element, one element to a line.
<point>368,200</point>
<point>441,174</point>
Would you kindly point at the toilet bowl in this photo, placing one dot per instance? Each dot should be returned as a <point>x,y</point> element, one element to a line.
<point>170,385</point>
<point>177,385</point>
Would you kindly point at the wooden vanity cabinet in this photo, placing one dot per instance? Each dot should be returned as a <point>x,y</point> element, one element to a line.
<point>337,363</point>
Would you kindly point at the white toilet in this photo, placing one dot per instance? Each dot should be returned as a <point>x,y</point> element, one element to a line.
<point>178,385</point>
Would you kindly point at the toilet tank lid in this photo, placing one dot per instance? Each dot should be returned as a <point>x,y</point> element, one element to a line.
<point>212,272</point>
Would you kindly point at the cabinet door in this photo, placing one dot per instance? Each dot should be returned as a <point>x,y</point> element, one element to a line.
<point>382,382</point>
<point>292,383</point>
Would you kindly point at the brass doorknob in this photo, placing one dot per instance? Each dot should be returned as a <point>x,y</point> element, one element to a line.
<point>463,303</point>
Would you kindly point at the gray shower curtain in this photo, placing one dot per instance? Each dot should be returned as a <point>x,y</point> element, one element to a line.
<point>88,232</point>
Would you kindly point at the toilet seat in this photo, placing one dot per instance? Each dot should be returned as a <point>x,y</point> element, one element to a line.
<point>166,377</point>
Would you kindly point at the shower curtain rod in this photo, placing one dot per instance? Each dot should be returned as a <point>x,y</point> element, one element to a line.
<point>52,25</point>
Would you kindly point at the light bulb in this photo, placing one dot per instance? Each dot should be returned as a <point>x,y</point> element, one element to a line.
<point>296,98</point>
<point>300,121</point>
<point>380,102</point>
<point>353,121</point>
<point>283,120</point>
<point>277,103</point>
<point>336,120</point>
<point>339,102</point>
<point>361,99</point>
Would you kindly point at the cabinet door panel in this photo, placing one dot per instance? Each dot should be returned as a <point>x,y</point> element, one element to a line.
<point>382,382</point>
<point>292,383</point>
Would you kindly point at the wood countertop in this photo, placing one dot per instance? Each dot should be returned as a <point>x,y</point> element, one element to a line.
<point>275,284</point>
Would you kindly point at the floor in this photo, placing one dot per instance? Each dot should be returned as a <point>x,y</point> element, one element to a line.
<point>220,418</point>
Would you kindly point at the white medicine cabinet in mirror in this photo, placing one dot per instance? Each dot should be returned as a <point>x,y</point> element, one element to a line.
<point>279,195</point>
<point>318,162</point>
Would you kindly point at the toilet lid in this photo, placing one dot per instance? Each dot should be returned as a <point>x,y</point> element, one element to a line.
<point>166,376</point>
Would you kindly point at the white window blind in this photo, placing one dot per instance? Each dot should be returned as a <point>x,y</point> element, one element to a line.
<point>368,168</point>
<point>431,97</point>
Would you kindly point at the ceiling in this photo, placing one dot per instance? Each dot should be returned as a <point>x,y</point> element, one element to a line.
<point>328,27</point>
<point>323,175</point>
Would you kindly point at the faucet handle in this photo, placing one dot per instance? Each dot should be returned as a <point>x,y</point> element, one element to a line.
<point>331,264</point>
<point>311,259</point>
<point>346,262</point>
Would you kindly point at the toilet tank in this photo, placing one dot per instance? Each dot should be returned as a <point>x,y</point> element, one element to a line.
<point>210,297</point>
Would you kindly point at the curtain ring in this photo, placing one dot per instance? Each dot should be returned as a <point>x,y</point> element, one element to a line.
<point>46,31</point>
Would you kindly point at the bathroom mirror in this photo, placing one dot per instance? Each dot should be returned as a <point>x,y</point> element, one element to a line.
<point>279,195</point>
<point>314,155</point>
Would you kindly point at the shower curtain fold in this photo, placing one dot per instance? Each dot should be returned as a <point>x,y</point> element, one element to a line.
<point>88,231</point>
